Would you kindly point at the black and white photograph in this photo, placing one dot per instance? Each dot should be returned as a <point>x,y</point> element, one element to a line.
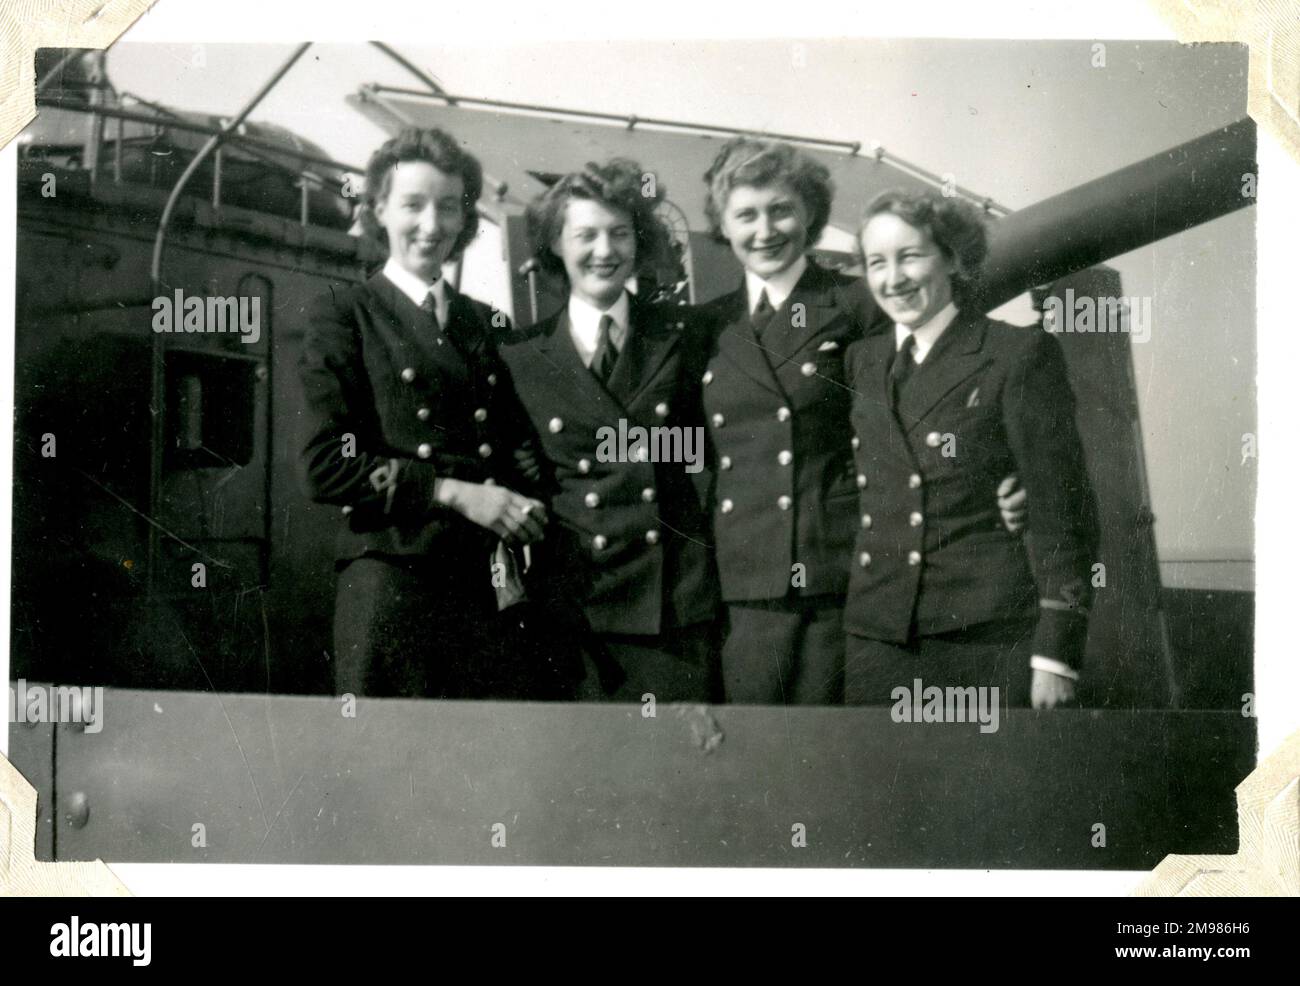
<point>825,453</point>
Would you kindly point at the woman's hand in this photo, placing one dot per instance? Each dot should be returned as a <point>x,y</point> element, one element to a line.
<point>1011,501</point>
<point>1048,690</point>
<point>504,512</point>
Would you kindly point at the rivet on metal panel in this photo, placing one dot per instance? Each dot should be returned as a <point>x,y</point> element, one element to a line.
<point>78,812</point>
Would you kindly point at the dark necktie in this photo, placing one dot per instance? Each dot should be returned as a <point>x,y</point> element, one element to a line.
<point>902,368</point>
<point>761,317</point>
<point>437,331</point>
<point>431,316</point>
<point>606,355</point>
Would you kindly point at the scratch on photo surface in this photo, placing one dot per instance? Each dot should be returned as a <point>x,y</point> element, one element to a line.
<point>217,695</point>
<point>150,521</point>
<point>278,813</point>
<point>893,783</point>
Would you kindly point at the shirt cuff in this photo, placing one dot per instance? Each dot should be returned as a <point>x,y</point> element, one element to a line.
<point>1039,663</point>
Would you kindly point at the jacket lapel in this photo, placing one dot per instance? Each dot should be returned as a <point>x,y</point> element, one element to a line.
<point>572,378</point>
<point>407,336</point>
<point>650,341</point>
<point>737,344</point>
<point>873,387</point>
<point>462,326</point>
<point>956,356</point>
<point>816,294</point>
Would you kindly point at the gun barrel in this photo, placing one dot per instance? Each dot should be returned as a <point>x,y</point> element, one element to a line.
<point>1167,193</point>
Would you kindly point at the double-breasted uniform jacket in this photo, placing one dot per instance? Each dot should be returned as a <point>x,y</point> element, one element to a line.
<point>629,537</point>
<point>932,554</point>
<point>389,407</point>
<point>779,421</point>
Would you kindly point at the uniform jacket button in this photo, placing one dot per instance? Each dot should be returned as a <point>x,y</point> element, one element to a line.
<point>784,457</point>
<point>808,369</point>
<point>584,466</point>
<point>422,414</point>
<point>783,414</point>
<point>347,510</point>
<point>726,506</point>
<point>862,481</point>
<point>718,421</point>
<point>485,450</point>
<point>408,375</point>
<point>933,439</point>
<point>492,379</point>
<point>661,409</point>
<point>599,542</point>
<point>555,425</point>
<point>592,500</point>
<point>864,559</point>
<point>725,462</point>
<point>707,378</point>
<point>652,537</point>
<point>480,414</point>
<point>855,441</point>
<point>425,450</point>
<point>648,494</point>
<point>914,557</point>
<point>915,518</point>
<point>783,502</point>
<point>914,481</point>
<point>866,521</point>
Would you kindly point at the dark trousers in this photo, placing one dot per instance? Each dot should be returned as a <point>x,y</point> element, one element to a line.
<point>678,665</point>
<point>785,651</point>
<point>411,627</point>
<point>988,655</point>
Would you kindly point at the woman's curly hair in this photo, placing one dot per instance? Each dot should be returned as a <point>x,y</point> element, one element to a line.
<point>956,226</point>
<point>620,184</point>
<point>761,163</point>
<point>436,147</point>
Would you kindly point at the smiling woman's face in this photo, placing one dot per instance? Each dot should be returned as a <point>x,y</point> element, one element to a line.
<point>423,213</point>
<point>908,274</point>
<point>598,247</point>
<point>767,226</point>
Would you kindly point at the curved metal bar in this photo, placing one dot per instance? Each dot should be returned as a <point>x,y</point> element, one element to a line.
<point>158,377</point>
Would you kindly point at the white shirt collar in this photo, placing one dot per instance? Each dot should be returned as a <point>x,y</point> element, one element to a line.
<point>584,325</point>
<point>416,289</point>
<point>928,334</point>
<point>779,287</point>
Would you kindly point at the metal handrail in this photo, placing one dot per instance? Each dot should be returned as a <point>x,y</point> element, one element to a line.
<point>175,123</point>
<point>631,121</point>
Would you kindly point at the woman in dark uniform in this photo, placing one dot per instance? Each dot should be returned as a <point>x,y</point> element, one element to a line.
<point>777,403</point>
<point>411,427</point>
<point>778,412</point>
<point>628,557</point>
<point>946,403</point>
